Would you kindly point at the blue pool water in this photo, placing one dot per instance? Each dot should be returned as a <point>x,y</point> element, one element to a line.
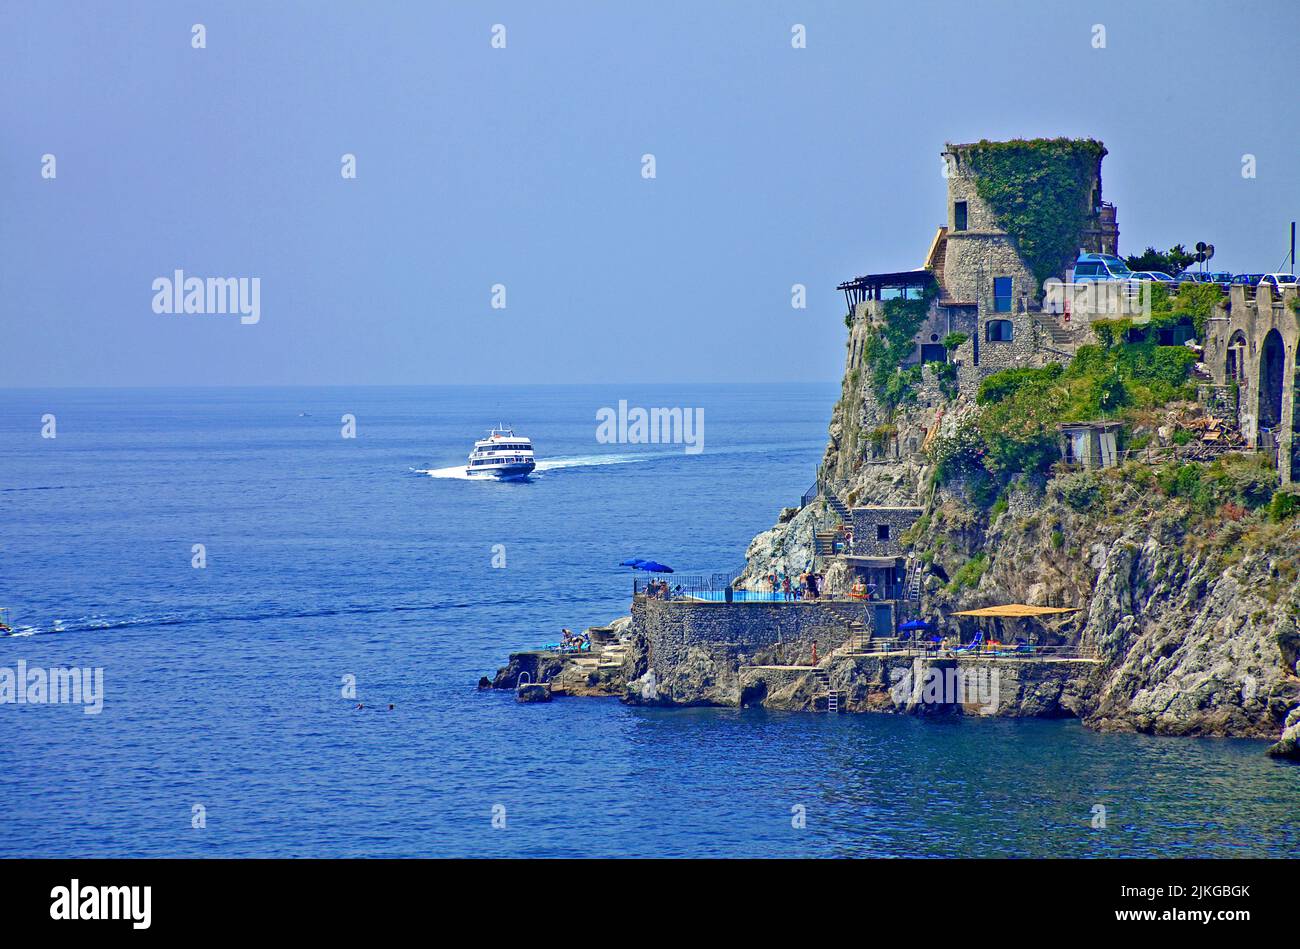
<point>329,557</point>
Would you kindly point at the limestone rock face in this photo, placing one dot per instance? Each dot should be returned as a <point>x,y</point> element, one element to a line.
<point>533,692</point>
<point>1195,635</point>
<point>786,548</point>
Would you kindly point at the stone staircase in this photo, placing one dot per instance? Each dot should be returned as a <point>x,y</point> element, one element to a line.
<point>841,509</point>
<point>860,634</point>
<point>612,656</point>
<point>1055,330</point>
<point>824,543</point>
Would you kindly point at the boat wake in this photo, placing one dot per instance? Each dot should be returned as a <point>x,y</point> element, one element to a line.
<point>457,472</point>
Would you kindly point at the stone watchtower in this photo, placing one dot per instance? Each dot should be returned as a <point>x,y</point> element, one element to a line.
<point>986,279</point>
<point>978,246</point>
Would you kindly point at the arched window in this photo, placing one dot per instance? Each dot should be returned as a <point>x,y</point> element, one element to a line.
<point>1235,362</point>
<point>998,331</point>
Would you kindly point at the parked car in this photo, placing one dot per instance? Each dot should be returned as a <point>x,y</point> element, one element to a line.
<point>1192,276</point>
<point>1091,267</point>
<point>1221,277</point>
<point>1247,279</point>
<point>1279,281</point>
<point>1153,275</point>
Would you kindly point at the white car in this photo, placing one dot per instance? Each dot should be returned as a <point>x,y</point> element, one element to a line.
<point>1279,281</point>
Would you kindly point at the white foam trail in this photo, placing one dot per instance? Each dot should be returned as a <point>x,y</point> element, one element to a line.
<point>550,464</point>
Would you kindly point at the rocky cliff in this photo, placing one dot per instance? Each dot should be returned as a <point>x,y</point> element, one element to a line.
<point>1186,587</point>
<point>1183,578</point>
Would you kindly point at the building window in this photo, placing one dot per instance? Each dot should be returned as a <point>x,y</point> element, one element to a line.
<point>1001,294</point>
<point>959,216</point>
<point>882,532</point>
<point>998,331</point>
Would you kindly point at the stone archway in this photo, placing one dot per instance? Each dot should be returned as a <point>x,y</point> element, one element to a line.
<point>1272,365</point>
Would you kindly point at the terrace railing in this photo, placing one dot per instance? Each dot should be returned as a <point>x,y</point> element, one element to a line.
<point>913,648</point>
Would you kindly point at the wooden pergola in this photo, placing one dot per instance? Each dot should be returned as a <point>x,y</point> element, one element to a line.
<point>872,286</point>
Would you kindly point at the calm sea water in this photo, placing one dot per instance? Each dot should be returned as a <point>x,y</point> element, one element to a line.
<point>329,557</point>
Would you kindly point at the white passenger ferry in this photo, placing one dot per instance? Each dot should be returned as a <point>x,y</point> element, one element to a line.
<point>502,455</point>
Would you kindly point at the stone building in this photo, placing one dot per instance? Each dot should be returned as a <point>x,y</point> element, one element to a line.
<point>877,556</point>
<point>1250,350</point>
<point>983,287</point>
<point>877,529</point>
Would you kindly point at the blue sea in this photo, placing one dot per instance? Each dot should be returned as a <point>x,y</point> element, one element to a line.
<point>331,560</point>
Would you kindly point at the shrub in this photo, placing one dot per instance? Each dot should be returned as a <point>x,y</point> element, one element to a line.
<point>891,344</point>
<point>1197,300</point>
<point>1079,491</point>
<point>970,572</point>
<point>1232,479</point>
<point>1284,505</point>
<point>1171,262</point>
<point>1001,385</point>
<point>957,452</point>
<point>946,375</point>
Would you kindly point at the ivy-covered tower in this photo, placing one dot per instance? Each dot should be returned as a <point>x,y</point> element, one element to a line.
<point>1018,214</point>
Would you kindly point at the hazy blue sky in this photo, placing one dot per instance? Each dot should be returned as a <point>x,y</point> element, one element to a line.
<point>522,166</point>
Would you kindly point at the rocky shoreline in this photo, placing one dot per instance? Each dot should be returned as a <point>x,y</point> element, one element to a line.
<point>1194,630</point>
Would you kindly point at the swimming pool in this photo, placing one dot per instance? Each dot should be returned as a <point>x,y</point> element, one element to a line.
<point>739,596</point>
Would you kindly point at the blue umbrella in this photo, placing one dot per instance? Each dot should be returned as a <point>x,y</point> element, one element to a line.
<point>914,624</point>
<point>633,562</point>
<point>653,567</point>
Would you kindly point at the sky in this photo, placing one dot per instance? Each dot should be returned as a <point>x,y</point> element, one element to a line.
<point>523,167</point>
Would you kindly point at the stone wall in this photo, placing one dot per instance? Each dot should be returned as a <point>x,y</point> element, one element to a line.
<point>1249,322</point>
<point>868,520</point>
<point>1020,350</point>
<point>696,649</point>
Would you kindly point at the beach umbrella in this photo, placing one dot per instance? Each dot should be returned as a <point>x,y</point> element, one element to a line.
<point>914,624</point>
<point>653,566</point>
<point>632,562</point>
